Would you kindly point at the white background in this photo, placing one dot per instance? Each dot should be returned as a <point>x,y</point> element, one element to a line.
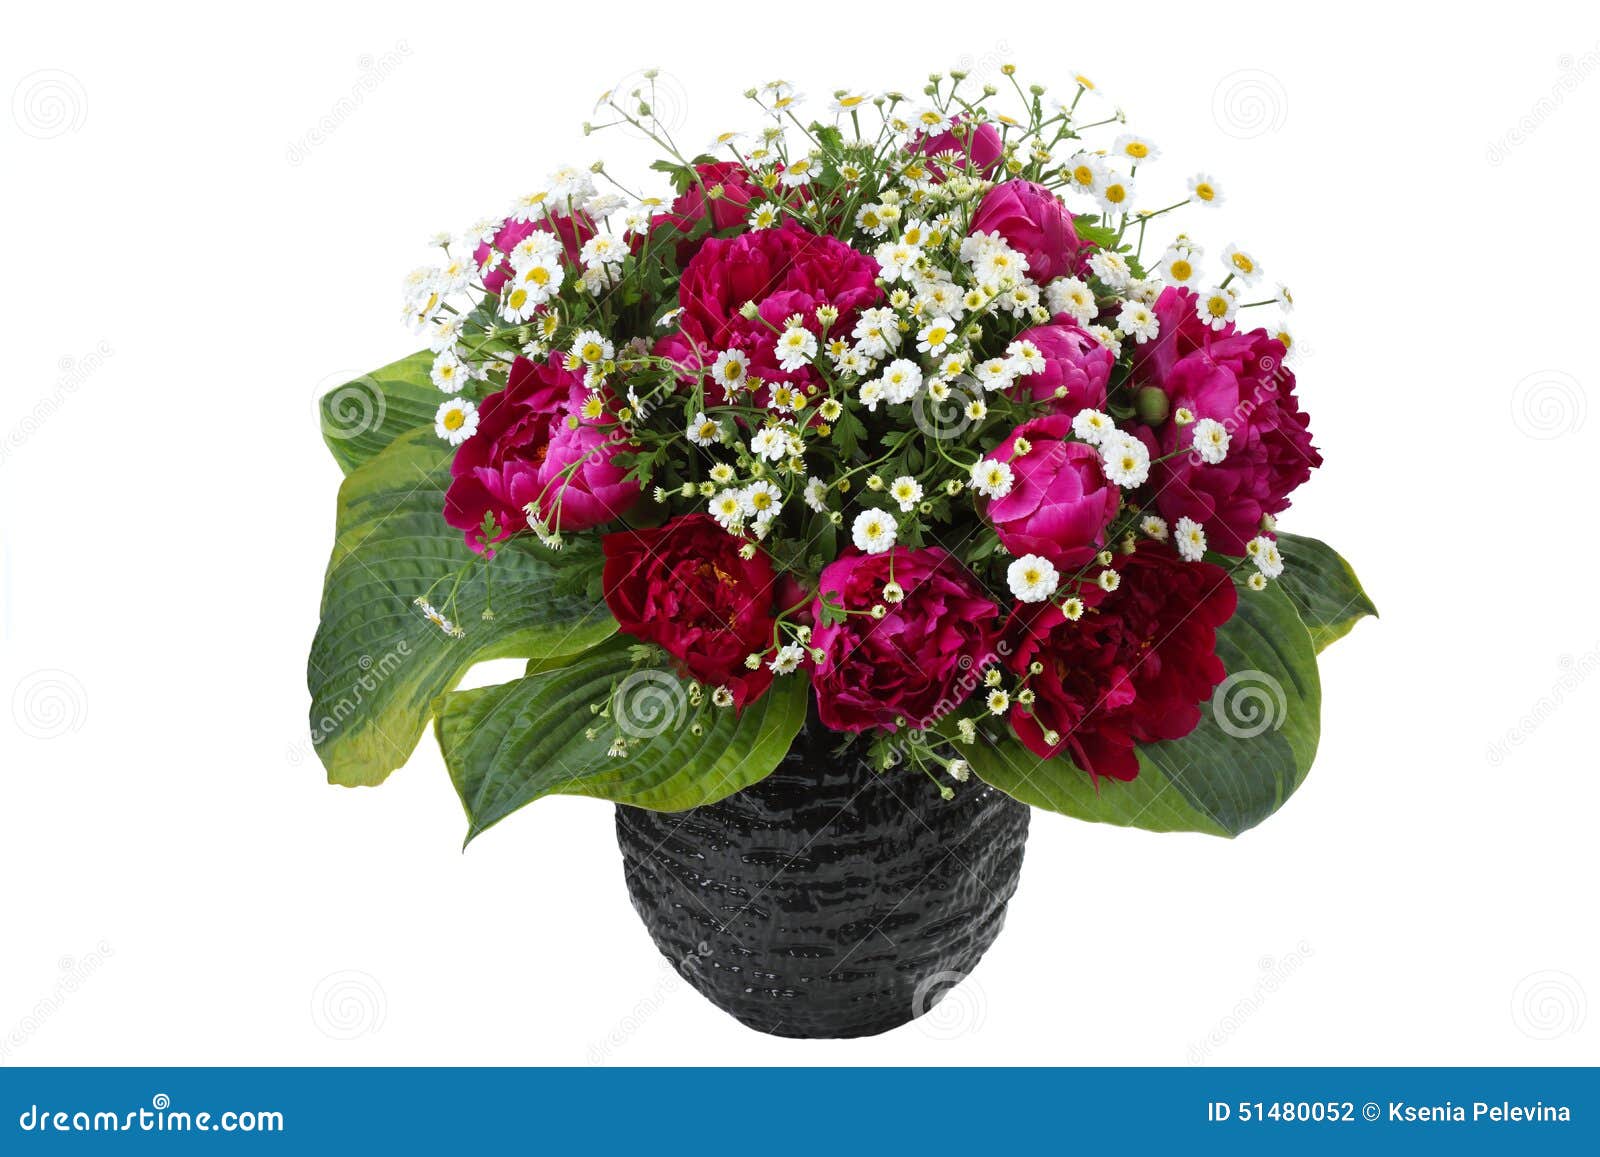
<point>183,272</point>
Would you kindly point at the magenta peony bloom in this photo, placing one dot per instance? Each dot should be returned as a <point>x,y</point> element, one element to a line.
<point>573,231</point>
<point>785,271</point>
<point>1060,501</point>
<point>1072,359</point>
<point>727,210</point>
<point>1237,378</point>
<point>980,148</point>
<point>1036,224</point>
<point>918,662</point>
<point>518,454</point>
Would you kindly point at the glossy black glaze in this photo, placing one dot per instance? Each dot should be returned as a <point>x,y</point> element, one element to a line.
<point>826,900</point>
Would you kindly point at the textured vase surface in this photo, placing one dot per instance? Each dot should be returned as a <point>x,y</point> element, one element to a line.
<point>828,900</point>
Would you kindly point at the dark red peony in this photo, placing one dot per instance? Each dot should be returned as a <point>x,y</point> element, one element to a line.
<point>785,271</point>
<point>573,231</point>
<point>1036,224</point>
<point>920,660</point>
<point>530,447</point>
<point>1239,379</point>
<point>683,587</point>
<point>1074,361</point>
<point>1135,668</point>
<point>1060,501</point>
<point>729,207</point>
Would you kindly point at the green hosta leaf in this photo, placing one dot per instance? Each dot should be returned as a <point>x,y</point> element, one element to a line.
<point>506,746</point>
<point>1254,745</point>
<point>376,664</point>
<point>1322,587</point>
<point>363,416</point>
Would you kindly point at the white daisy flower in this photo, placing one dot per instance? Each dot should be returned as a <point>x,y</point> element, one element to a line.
<point>1177,266</point>
<point>1111,268</point>
<point>1203,189</point>
<point>448,374</point>
<point>1115,194</point>
<point>816,495</point>
<point>703,431</point>
<point>1138,321</point>
<point>901,380</point>
<point>992,478</point>
<point>1032,578</point>
<point>787,660</point>
<point>994,374</point>
<point>771,443</point>
<point>1025,358</point>
<point>730,369</point>
<point>1241,264</point>
<point>877,332</point>
<point>1072,297</point>
<point>1137,149</point>
<point>1267,558</point>
<point>897,259</point>
<point>1216,307</point>
<point>874,531</point>
<point>907,491</point>
<point>602,249</point>
<point>761,499</point>
<point>1190,539</point>
<point>456,421</point>
<point>1211,440</point>
<point>936,336</point>
<point>1093,426</point>
<point>1126,459</point>
<point>727,507</point>
<point>795,347</point>
<point>591,347</point>
<point>1107,337</point>
<point>870,394</point>
<point>1155,526</point>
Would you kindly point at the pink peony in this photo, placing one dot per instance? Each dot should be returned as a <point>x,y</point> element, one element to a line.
<point>1036,224</point>
<point>915,664</point>
<point>1237,378</point>
<point>1074,360</point>
<point>1060,502</point>
<point>519,453</point>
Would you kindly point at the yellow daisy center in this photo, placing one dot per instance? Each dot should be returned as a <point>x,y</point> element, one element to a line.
<point>455,419</point>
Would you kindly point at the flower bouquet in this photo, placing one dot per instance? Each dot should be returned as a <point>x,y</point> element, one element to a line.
<point>882,478</point>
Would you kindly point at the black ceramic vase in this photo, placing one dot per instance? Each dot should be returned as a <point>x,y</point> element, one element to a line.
<point>827,900</point>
